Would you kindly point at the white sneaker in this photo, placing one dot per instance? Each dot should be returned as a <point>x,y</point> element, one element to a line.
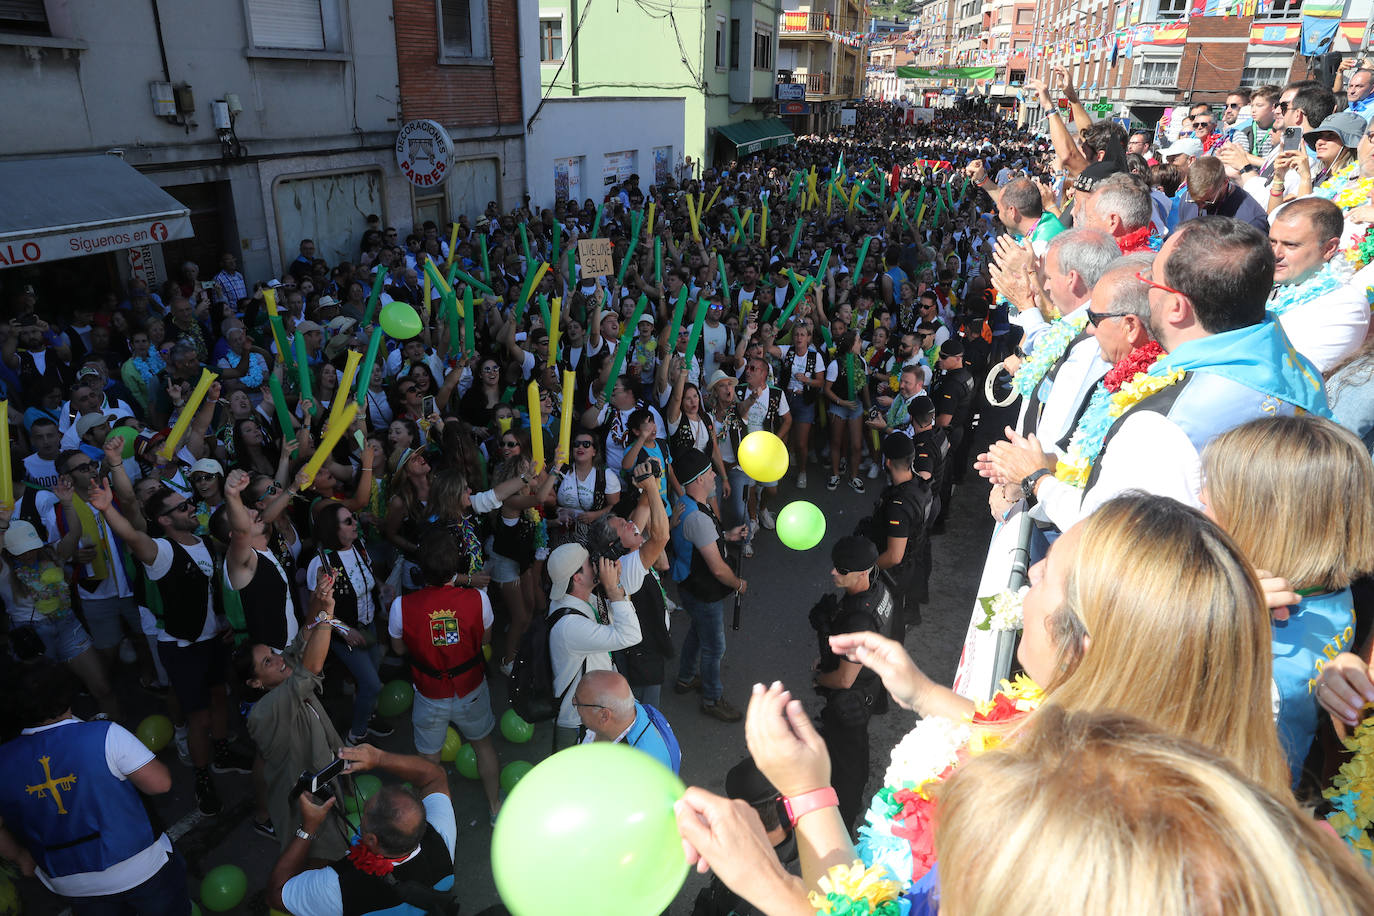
<point>748,549</point>
<point>874,470</point>
<point>801,480</point>
<point>753,527</point>
<point>183,745</point>
<point>769,521</point>
<point>857,484</point>
<point>833,482</point>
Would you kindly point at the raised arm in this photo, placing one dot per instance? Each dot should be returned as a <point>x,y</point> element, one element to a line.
<point>142,546</point>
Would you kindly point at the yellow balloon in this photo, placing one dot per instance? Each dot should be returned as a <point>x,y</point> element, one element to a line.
<point>763,456</point>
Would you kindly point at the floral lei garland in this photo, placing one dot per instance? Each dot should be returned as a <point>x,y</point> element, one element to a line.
<point>1352,795</point>
<point>853,890</point>
<point>1049,346</point>
<point>1334,274</point>
<point>899,834</point>
<point>1113,397</point>
<point>1354,190</point>
<point>1362,252</point>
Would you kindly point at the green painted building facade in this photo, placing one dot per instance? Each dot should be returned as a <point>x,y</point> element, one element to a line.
<point>719,57</point>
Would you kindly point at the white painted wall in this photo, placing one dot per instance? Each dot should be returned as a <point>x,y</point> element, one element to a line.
<point>593,127</point>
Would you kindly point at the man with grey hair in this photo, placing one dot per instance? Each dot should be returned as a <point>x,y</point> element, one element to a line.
<point>1120,206</point>
<point>609,712</point>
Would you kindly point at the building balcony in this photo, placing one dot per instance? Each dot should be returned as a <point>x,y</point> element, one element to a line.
<point>805,24</point>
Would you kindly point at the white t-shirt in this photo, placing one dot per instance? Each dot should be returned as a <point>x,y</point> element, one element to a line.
<point>795,363</point>
<point>359,576</point>
<point>41,472</point>
<point>316,892</point>
<point>159,568</point>
<point>701,432</point>
<point>580,492</point>
<point>713,343</point>
<point>124,754</point>
<point>759,411</point>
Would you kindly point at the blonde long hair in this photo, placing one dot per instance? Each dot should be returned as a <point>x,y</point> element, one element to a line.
<point>1297,495</point>
<point>1123,818</point>
<point>1178,630</point>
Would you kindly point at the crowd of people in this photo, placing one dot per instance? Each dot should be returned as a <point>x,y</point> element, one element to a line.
<point>220,486</point>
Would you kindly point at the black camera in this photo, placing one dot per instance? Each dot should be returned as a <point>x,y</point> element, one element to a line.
<point>318,784</point>
<point>655,470</point>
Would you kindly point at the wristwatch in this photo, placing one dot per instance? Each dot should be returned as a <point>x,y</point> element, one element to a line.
<point>793,808</point>
<point>301,834</point>
<point>1028,482</point>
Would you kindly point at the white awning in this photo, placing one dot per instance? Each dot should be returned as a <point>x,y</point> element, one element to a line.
<point>52,209</point>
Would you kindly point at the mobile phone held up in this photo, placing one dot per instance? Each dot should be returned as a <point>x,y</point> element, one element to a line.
<point>1292,139</point>
<point>428,406</point>
<point>317,784</point>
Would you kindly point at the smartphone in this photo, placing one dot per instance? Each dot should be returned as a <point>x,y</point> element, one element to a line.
<point>428,406</point>
<point>1292,139</point>
<point>207,284</point>
<point>325,776</point>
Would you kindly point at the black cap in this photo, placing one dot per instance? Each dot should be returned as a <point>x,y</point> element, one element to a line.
<point>952,347</point>
<point>853,554</point>
<point>1092,176</point>
<point>921,409</point>
<point>745,782</point>
<point>898,447</point>
<point>689,465</point>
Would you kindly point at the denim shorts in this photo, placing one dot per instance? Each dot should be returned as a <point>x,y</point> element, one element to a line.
<point>102,618</point>
<point>471,715</point>
<point>839,412</point>
<point>801,411</point>
<point>503,570</point>
<point>64,638</point>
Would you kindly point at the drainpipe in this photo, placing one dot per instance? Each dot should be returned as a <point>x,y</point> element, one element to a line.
<point>572,45</point>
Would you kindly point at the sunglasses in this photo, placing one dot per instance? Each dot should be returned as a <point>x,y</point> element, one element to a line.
<point>583,443</point>
<point>183,506</point>
<point>509,443</point>
<point>349,520</point>
<point>201,478</point>
<point>86,467</point>
<point>409,390</point>
<point>1096,318</point>
<point>1234,105</point>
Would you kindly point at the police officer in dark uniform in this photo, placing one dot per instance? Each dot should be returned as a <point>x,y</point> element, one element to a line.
<point>953,397</point>
<point>852,692</point>
<point>898,529</point>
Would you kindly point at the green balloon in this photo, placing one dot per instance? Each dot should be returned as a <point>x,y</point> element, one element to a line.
<point>130,437</point>
<point>401,321</point>
<point>452,742</point>
<point>466,763</point>
<point>395,698</point>
<point>512,773</point>
<point>516,729</point>
<point>801,525</point>
<point>223,888</point>
<point>614,839</point>
<point>364,787</point>
<point>155,732</point>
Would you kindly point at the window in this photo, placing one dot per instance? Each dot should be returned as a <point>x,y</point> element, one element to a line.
<point>551,40</point>
<point>1282,9</point>
<point>463,29</point>
<point>734,44</point>
<point>1261,76</point>
<point>1157,73</point>
<point>1025,17</point>
<point>720,43</point>
<point>293,24</point>
<point>763,50</point>
<point>1174,9</point>
<point>27,16</point>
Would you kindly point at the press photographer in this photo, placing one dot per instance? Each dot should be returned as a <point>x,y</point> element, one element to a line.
<point>401,854</point>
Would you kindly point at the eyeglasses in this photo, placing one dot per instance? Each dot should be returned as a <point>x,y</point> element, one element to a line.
<point>577,705</point>
<point>85,467</point>
<point>1160,286</point>
<point>183,506</point>
<point>1096,318</point>
<point>583,443</point>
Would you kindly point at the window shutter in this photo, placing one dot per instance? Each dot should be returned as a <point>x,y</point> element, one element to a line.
<point>295,24</point>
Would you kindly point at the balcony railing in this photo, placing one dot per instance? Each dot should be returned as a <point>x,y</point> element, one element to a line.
<point>817,22</point>
<point>817,83</point>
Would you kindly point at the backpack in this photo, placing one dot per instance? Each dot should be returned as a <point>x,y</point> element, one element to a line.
<point>531,675</point>
<point>665,730</point>
<point>679,546</point>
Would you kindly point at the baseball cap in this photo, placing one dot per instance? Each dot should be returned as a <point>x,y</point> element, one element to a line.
<point>89,421</point>
<point>21,538</point>
<point>853,554</point>
<point>646,319</point>
<point>208,466</point>
<point>898,447</point>
<point>1191,146</point>
<point>952,347</point>
<point>564,563</point>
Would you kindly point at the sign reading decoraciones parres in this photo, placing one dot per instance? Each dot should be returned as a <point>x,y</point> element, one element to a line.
<point>424,153</point>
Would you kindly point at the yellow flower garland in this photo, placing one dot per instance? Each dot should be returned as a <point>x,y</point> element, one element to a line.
<point>853,889</point>
<point>1076,468</point>
<point>1356,190</point>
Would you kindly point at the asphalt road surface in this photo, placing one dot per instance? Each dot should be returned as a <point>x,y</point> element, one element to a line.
<point>774,642</point>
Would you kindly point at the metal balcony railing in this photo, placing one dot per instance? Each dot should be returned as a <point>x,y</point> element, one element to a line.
<point>806,22</point>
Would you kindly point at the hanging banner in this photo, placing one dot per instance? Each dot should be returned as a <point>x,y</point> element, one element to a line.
<point>946,73</point>
<point>1320,21</point>
<point>1281,35</point>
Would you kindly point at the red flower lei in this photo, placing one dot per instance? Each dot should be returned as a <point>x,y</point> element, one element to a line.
<point>1138,360</point>
<point>1138,240</point>
<point>372,863</point>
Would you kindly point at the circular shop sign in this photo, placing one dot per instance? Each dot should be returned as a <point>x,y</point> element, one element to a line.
<point>424,153</point>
